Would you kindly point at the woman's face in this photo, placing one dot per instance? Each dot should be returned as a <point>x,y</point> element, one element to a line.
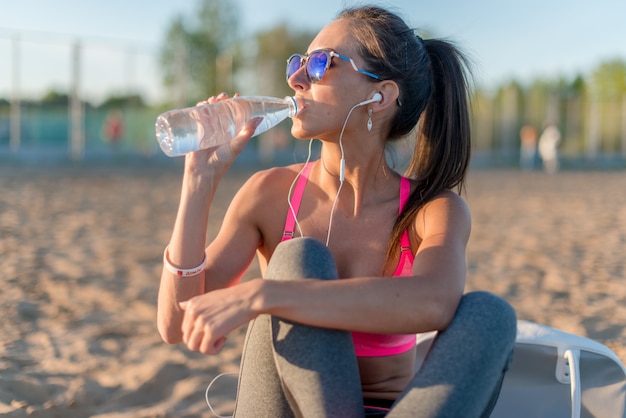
<point>327,102</point>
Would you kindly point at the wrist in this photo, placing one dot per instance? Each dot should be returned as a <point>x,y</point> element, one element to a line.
<point>199,175</point>
<point>259,296</point>
<point>181,271</point>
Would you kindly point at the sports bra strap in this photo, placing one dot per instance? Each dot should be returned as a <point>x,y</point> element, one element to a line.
<point>405,191</point>
<point>296,199</point>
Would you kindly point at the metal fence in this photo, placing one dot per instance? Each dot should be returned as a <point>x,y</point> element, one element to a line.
<point>593,130</point>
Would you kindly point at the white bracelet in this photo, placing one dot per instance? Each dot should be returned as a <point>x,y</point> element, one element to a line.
<point>182,272</point>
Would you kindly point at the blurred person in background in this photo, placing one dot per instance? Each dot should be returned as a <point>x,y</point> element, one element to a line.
<point>528,147</point>
<point>548,147</point>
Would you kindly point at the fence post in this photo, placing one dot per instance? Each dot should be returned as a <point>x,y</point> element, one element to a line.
<point>77,134</point>
<point>593,133</point>
<point>624,126</point>
<point>16,133</point>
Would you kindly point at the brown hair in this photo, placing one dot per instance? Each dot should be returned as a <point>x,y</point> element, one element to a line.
<point>433,81</point>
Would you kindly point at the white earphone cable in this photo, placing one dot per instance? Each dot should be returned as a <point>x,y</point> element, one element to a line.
<point>206,394</point>
<point>342,165</point>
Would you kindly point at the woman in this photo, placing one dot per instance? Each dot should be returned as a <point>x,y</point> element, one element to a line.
<point>388,253</point>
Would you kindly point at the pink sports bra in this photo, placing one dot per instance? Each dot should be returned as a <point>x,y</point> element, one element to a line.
<point>366,344</point>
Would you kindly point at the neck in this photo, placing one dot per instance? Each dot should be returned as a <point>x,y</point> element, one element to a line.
<point>366,177</point>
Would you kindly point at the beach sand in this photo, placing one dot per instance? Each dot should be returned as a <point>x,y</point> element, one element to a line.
<point>80,256</point>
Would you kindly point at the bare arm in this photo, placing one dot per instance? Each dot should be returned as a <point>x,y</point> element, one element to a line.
<point>423,302</point>
<point>203,171</point>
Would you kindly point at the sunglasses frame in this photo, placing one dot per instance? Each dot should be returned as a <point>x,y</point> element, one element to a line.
<point>304,60</point>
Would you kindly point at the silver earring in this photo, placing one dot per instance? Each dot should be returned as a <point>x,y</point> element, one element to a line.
<point>369,120</point>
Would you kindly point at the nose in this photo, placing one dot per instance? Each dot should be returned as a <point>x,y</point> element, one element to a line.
<point>299,80</point>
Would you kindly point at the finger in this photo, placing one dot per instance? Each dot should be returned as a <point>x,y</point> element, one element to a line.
<point>186,326</point>
<point>213,99</point>
<point>208,100</point>
<point>210,346</point>
<point>218,345</point>
<point>195,339</point>
<point>219,97</point>
<point>239,142</point>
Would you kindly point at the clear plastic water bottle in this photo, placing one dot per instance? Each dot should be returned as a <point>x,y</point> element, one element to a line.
<point>182,131</point>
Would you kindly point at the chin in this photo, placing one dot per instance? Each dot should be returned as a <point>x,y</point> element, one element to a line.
<point>301,137</point>
<point>298,132</point>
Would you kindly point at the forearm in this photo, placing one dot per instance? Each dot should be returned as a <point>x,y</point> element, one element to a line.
<point>376,305</point>
<point>186,249</point>
<point>426,300</point>
<point>203,171</point>
<point>188,240</point>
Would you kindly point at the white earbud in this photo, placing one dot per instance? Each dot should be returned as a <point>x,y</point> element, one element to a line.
<point>377,98</point>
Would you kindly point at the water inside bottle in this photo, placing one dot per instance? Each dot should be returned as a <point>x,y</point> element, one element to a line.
<point>270,119</point>
<point>179,136</point>
<point>184,144</point>
<point>186,130</point>
<point>273,113</point>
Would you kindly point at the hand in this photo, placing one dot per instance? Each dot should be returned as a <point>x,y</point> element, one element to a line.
<point>215,161</point>
<point>208,318</point>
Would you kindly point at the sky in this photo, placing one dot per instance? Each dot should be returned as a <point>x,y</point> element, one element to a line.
<point>119,40</point>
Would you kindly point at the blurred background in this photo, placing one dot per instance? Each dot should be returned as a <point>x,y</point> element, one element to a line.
<point>83,80</point>
<point>88,200</point>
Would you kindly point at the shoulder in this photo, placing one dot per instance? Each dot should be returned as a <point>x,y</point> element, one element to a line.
<point>447,201</point>
<point>447,213</point>
<point>270,181</point>
<point>266,188</point>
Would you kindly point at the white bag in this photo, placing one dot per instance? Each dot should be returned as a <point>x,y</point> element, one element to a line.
<point>555,374</point>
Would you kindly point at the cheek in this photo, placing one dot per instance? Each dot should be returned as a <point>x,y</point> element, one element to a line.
<point>316,120</point>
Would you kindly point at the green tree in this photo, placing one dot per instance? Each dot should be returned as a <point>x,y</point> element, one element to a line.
<point>607,93</point>
<point>55,98</point>
<point>274,46</point>
<point>608,80</point>
<point>121,101</point>
<point>193,46</point>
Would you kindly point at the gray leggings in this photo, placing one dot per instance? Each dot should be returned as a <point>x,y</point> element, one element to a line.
<point>294,370</point>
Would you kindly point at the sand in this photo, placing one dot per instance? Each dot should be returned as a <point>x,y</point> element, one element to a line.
<point>80,256</point>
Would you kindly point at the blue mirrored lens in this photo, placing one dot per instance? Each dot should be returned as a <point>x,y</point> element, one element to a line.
<point>316,65</point>
<point>293,64</point>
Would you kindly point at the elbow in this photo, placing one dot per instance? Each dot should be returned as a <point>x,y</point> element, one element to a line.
<point>168,334</point>
<point>442,313</point>
<point>443,319</point>
<point>169,337</point>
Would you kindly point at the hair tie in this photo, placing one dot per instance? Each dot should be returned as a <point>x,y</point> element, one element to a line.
<point>406,56</point>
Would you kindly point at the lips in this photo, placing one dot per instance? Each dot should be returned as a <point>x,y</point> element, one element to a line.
<point>300,103</point>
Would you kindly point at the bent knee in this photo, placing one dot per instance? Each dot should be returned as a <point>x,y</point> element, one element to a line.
<point>490,313</point>
<point>301,258</point>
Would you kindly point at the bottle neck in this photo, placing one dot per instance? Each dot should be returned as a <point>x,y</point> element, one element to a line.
<point>293,106</point>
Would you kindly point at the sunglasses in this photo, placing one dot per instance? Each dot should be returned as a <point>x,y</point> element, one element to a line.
<point>317,62</point>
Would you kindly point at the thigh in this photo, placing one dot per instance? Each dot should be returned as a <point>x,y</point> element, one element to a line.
<point>259,392</point>
<point>463,372</point>
<point>291,369</point>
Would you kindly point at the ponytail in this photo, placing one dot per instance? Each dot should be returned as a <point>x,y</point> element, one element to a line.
<point>442,152</point>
